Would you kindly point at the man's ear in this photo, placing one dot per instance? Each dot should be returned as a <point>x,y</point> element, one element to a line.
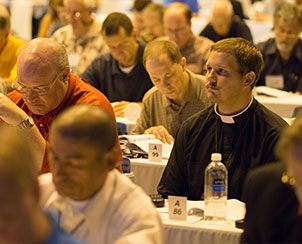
<point>249,78</point>
<point>183,63</point>
<point>134,33</point>
<point>111,158</point>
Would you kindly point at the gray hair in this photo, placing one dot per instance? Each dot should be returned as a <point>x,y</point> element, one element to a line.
<point>288,12</point>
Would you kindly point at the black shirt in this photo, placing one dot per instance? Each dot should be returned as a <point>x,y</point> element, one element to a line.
<point>274,64</point>
<point>252,138</point>
<point>272,208</point>
<point>237,29</point>
<point>105,75</point>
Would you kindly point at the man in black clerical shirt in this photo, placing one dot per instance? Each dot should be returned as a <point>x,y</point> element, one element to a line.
<point>120,74</point>
<point>283,54</point>
<point>237,125</point>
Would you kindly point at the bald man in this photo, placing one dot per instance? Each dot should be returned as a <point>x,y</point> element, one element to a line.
<point>92,200</point>
<point>223,25</point>
<point>9,49</point>
<point>22,220</point>
<point>44,87</point>
<point>196,49</point>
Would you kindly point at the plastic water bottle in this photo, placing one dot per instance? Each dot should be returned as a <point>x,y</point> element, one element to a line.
<point>215,190</point>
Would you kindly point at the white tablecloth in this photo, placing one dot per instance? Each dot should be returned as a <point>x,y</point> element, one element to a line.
<point>147,174</point>
<point>198,231</point>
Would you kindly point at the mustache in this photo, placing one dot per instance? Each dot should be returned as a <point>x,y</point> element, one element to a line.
<point>211,85</point>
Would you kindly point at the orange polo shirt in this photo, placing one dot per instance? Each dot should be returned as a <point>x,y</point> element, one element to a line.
<point>79,92</point>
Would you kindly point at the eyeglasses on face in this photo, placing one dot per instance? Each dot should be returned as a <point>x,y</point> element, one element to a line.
<point>39,90</point>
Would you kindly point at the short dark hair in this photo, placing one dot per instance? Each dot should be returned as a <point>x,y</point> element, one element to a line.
<point>5,18</point>
<point>88,123</point>
<point>139,5</point>
<point>249,58</point>
<point>157,47</point>
<point>114,21</point>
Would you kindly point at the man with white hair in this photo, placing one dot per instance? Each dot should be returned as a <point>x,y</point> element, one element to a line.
<point>82,37</point>
<point>223,25</point>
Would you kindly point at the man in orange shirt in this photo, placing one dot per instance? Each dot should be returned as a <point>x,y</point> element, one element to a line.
<point>44,87</point>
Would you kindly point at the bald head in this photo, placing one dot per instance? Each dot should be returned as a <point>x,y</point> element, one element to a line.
<point>88,123</point>
<point>179,9</point>
<point>4,18</point>
<point>41,56</point>
<point>222,15</point>
<point>223,7</point>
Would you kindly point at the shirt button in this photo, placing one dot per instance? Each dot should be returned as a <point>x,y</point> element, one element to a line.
<point>41,125</point>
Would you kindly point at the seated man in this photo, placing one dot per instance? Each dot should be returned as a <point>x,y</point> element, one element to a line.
<point>120,74</point>
<point>196,49</point>
<point>92,200</point>
<point>273,194</point>
<point>22,220</point>
<point>45,86</point>
<point>82,38</point>
<point>137,20</point>
<point>177,93</point>
<point>223,25</point>
<point>153,22</point>
<point>237,126</point>
<point>9,50</point>
<point>283,54</point>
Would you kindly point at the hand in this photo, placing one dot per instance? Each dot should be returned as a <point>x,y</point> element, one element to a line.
<point>119,108</point>
<point>160,133</point>
<point>10,112</point>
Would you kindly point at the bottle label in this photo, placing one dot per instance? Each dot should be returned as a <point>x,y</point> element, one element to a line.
<point>218,185</point>
<point>218,188</point>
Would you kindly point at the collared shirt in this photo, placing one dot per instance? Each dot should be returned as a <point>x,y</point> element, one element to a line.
<point>120,212</point>
<point>8,58</point>
<point>160,110</point>
<point>237,29</point>
<point>245,144</point>
<point>290,70</point>
<point>105,75</point>
<point>82,50</point>
<point>79,92</point>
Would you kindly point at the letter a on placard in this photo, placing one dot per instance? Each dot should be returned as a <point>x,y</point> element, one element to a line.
<point>155,147</point>
<point>177,203</point>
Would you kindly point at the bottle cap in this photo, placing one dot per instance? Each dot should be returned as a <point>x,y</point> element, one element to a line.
<point>216,157</point>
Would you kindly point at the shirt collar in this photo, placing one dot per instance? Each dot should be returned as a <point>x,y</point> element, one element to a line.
<point>297,50</point>
<point>229,119</point>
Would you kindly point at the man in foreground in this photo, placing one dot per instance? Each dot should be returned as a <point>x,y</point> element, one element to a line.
<point>22,220</point>
<point>273,194</point>
<point>92,200</point>
<point>177,93</point>
<point>237,125</point>
<point>45,86</point>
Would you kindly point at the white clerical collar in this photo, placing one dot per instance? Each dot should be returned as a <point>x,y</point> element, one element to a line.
<point>229,119</point>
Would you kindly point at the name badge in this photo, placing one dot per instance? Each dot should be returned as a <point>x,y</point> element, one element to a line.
<point>155,152</point>
<point>177,207</point>
<point>274,81</point>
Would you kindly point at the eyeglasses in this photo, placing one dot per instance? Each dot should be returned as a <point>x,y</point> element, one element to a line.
<point>40,90</point>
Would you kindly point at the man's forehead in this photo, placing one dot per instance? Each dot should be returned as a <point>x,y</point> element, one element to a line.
<point>220,58</point>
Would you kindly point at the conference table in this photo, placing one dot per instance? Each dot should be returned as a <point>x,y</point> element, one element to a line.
<point>194,230</point>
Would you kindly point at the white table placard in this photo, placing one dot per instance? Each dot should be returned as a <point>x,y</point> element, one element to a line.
<point>155,152</point>
<point>177,207</point>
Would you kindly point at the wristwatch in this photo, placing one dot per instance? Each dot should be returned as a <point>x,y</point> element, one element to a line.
<point>27,123</point>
